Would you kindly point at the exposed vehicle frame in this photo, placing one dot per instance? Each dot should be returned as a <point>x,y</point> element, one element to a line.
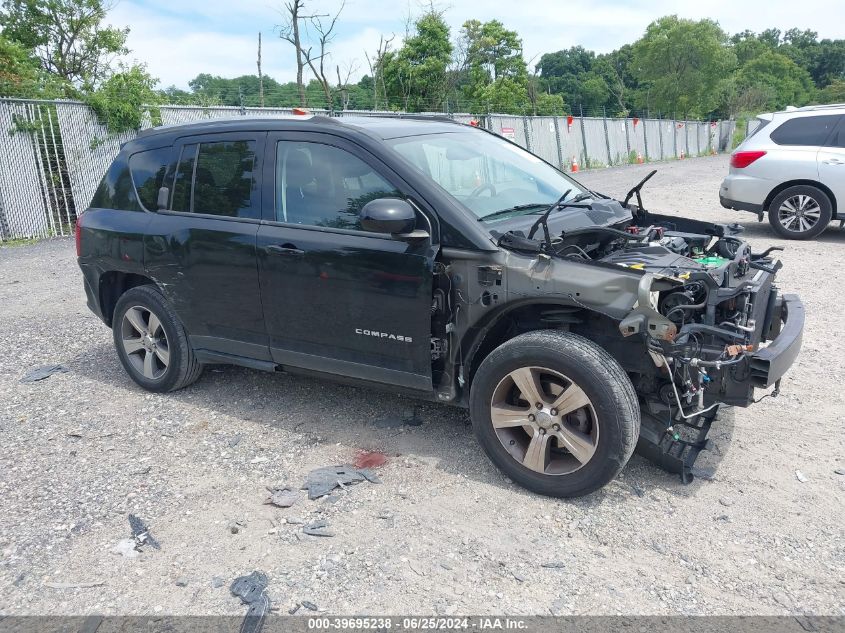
<point>623,325</point>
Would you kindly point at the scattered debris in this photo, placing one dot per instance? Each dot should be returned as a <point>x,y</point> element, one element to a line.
<point>369,459</point>
<point>637,490</point>
<point>40,373</point>
<point>318,528</point>
<point>236,526</point>
<point>726,501</point>
<point>553,564</point>
<point>259,460</point>
<point>840,471</point>
<point>321,481</point>
<point>409,418</point>
<point>74,585</point>
<point>235,440</point>
<point>126,548</point>
<point>280,497</point>
<point>415,567</point>
<point>294,609</point>
<point>252,590</point>
<point>141,533</point>
<point>309,605</point>
<point>181,581</point>
<point>217,582</point>
<point>295,521</point>
<point>800,476</point>
<point>142,471</point>
<point>76,435</point>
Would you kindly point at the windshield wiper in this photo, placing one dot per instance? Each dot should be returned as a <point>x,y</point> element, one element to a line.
<point>519,207</point>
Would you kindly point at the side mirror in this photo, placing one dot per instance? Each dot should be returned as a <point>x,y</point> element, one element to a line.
<point>388,215</point>
<point>163,198</point>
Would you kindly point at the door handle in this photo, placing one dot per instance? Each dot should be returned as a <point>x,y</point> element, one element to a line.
<point>833,161</point>
<point>285,250</point>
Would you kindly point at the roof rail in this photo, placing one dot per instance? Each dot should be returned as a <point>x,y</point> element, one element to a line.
<point>826,106</point>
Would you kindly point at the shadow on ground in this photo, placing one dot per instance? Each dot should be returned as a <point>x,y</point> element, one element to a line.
<point>369,419</point>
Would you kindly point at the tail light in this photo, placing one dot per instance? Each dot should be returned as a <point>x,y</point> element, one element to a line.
<point>77,233</point>
<point>744,159</point>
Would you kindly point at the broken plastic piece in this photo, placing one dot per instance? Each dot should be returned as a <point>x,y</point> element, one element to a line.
<point>280,497</point>
<point>321,481</point>
<point>370,459</point>
<point>252,590</point>
<point>40,373</point>
<point>318,528</point>
<point>141,533</point>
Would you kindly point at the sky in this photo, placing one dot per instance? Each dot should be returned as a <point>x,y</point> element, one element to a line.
<point>178,39</point>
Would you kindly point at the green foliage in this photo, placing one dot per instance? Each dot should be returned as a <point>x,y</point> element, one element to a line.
<point>496,73</point>
<point>120,102</point>
<point>780,78</point>
<point>833,92</point>
<point>68,37</point>
<point>416,75</point>
<point>683,61</point>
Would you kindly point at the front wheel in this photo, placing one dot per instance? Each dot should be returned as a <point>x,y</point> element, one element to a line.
<point>801,212</point>
<point>151,342</point>
<point>555,412</point>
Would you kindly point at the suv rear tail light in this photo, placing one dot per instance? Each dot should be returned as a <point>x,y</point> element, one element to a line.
<point>77,233</point>
<point>744,159</point>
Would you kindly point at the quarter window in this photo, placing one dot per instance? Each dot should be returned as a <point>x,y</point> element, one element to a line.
<point>149,169</point>
<point>321,185</point>
<point>809,130</point>
<point>116,190</point>
<point>217,178</point>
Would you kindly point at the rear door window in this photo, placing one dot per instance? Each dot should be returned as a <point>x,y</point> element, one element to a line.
<point>838,138</point>
<point>808,130</point>
<point>149,169</point>
<point>224,182</point>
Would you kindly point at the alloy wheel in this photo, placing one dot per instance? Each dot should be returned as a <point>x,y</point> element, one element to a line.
<point>145,342</point>
<point>799,213</point>
<point>544,420</point>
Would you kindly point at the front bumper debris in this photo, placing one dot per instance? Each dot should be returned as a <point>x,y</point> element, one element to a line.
<point>768,365</point>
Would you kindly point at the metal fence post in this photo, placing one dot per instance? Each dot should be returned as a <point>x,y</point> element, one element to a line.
<point>660,135</point>
<point>527,133</point>
<point>686,135</point>
<point>557,138</point>
<point>645,138</point>
<point>675,134</point>
<point>584,139</point>
<point>627,140</point>
<point>606,135</point>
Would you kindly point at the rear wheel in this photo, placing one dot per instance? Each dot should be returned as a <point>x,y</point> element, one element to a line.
<point>151,342</point>
<point>555,412</point>
<point>801,212</point>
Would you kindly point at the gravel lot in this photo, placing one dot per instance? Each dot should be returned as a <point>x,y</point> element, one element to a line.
<point>445,532</point>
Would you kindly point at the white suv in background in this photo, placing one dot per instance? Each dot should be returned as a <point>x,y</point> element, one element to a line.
<point>793,168</point>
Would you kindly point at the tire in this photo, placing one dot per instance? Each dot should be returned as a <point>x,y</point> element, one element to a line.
<point>793,221</point>
<point>603,432</point>
<point>162,362</point>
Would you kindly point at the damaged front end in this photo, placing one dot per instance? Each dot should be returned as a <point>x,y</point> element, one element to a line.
<point>707,315</point>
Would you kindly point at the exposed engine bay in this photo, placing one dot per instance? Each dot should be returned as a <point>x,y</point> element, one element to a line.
<point>705,304</point>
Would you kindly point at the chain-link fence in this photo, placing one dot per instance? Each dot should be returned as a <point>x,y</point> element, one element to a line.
<point>54,153</point>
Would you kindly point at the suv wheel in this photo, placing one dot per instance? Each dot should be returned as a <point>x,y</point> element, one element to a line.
<point>555,412</point>
<point>801,212</point>
<point>151,342</point>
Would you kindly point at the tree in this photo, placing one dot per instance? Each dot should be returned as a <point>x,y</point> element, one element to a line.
<point>20,72</point>
<point>120,101</point>
<point>417,73</point>
<point>67,36</point>
<point>683,62</point>
<point>786,82</point>
<point>562,72</point>
<point>496,75</point>
<point>833,92</point>
<point>290,31</point>
<point>376,64</point>
<point>317,60</point>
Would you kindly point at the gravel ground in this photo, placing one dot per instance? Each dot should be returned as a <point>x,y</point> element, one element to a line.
<point>444,532</point>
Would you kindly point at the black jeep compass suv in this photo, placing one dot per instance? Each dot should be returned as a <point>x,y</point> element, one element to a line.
<point>442,261</point>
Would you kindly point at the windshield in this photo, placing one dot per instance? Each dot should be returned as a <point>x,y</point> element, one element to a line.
<point>487,174</point>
